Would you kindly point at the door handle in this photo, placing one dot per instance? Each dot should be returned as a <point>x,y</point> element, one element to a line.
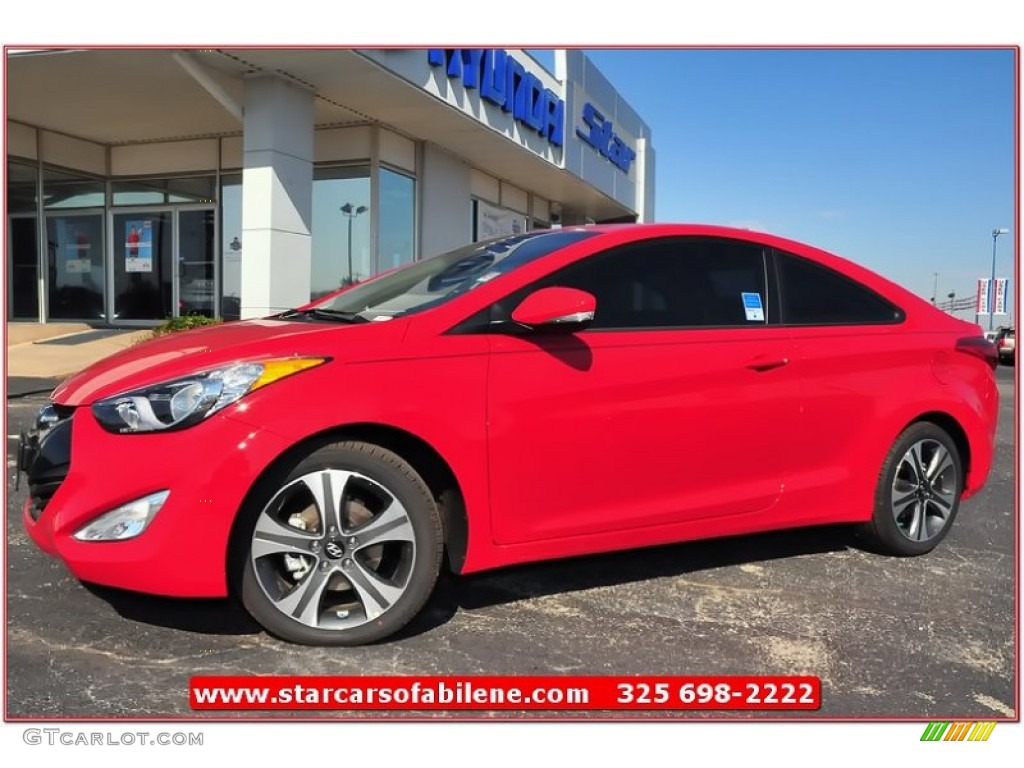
<point>762,364</point>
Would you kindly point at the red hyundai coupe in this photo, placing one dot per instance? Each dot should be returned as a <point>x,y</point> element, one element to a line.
<point>545,395</point>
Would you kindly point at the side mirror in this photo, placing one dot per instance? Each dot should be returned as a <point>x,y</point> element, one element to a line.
<point>556,308</point>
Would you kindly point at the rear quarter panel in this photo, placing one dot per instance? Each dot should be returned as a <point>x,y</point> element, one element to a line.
<point>864,386</point>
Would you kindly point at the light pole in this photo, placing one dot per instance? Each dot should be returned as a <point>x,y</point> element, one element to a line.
<point>351,214</point>
<point>992,282</point>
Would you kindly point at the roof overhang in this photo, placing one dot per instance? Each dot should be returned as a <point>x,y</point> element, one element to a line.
<point>128,96</point>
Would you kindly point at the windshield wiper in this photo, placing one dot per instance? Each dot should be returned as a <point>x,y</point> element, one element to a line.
<point>333,315</point>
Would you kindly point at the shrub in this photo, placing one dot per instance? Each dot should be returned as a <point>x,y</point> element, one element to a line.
<point>184,323</point>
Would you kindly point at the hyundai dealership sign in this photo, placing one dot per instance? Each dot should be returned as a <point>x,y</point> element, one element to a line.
<point>569,115</point>
<point>505,82</point>
<point>600,135</point>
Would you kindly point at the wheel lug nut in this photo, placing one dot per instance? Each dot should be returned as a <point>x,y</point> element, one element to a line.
<point>346,563</point>
<point>315,546</point>
<point>325,565</point>
<point>353,542</point>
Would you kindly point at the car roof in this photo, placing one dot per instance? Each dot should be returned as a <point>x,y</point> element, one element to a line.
<point>697,229</point>
<point>845,264</point>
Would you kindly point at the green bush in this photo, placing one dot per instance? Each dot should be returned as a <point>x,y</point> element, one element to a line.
<point>184,323</point>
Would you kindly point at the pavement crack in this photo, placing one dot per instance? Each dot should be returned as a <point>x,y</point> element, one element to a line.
<point>994,704</point>
<point>37,640</point>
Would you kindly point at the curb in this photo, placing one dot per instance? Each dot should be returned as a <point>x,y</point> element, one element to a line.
<point>26,386</point>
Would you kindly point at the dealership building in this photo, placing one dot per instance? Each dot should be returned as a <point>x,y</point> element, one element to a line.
<point>143,184</point>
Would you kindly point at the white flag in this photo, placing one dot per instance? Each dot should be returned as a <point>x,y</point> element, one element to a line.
<point>1000,302</point>
<point>982,305</point>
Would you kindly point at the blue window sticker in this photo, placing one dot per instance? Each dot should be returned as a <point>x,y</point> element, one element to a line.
<point>753,307</point>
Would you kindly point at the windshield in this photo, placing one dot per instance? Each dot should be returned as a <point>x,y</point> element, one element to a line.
<point>434,281</point>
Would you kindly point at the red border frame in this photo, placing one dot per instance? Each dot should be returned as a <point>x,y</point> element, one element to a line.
<point>492,717</point>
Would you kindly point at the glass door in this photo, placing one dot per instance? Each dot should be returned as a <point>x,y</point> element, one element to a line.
<point>143,265</point>
<point>74,262</point>
<point>196,262</point>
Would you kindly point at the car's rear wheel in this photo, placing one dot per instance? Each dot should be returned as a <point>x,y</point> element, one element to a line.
<point>343,549</point>
<point>918,492</point>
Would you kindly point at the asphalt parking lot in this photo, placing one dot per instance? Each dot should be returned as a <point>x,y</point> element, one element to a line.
<point>926,637</point>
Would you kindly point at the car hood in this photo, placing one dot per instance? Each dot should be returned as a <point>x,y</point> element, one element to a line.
<point>182,354</point>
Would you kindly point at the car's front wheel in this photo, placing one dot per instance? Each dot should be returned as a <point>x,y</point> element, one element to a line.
<point>343,549</point>
<point>918,492</point>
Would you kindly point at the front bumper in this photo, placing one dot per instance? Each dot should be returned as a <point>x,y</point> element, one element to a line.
<point>207,468</point>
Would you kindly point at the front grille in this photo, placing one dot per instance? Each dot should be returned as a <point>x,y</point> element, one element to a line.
<point>45,455</point>
<point>63,411</point>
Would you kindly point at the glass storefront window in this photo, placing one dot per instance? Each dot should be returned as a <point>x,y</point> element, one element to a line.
<point>23,272</point>
<point>21,188</point>
<point>66,190</point>
<point>193,189</point>
<point>231,246</point>
<point>341,228</point>
<point>23,299</point>
<point>75,265</point>
<point>397,220</point>
<point>75,248</point>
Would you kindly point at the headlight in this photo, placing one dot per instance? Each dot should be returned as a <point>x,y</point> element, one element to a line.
<point>183,402</point>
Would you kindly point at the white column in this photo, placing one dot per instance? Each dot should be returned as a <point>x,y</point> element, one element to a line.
<point>277,196</point>
<point>644,165</point>
<point>445,188</point>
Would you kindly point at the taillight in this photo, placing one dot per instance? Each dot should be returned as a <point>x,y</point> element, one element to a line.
<point>1002,343</point>
<point>981,348</point>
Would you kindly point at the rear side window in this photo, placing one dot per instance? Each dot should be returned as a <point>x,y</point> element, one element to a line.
<point>812,294</point>
<point>672,283</point>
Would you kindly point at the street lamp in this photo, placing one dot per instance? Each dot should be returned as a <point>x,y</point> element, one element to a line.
<point>351,214</point>
<point>992,282</point>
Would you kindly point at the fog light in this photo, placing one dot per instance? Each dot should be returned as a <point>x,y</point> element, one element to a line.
<point>125,522</point>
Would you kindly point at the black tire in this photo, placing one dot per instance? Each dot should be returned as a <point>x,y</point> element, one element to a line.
<point>914,512</point>
<point>342,591</point>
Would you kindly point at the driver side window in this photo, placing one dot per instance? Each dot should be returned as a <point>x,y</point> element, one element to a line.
<point>669,283</point>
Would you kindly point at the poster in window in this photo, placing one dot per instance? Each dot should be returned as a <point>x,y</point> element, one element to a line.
<point>492,221</point>
<point>138,246</point>
<point>76,246</point>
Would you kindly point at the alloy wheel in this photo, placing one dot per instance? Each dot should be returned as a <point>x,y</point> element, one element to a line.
<point>333,550</point>
<point>924,490</point>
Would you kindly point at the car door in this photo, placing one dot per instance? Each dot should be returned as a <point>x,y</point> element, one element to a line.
<point>673,406</point>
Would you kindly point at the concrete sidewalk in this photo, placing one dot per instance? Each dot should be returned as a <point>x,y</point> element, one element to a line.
<point>38,354</point>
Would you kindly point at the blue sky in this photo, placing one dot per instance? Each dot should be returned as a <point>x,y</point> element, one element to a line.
<point>902,160</point>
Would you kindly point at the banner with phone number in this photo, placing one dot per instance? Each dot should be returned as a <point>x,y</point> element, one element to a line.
<point>484,693</point>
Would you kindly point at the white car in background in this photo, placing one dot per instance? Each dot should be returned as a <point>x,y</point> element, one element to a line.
<point>1006,345</point>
